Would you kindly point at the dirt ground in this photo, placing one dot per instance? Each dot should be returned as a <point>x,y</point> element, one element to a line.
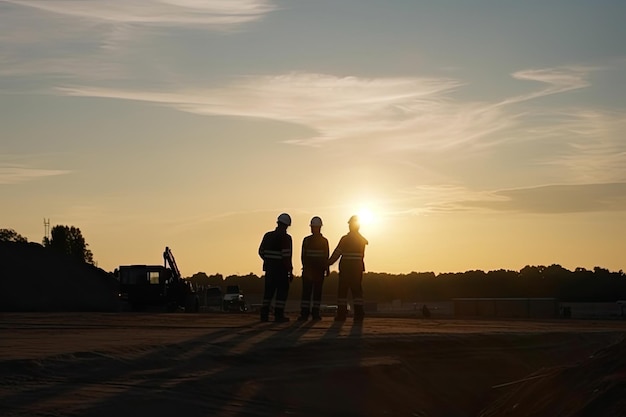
<point>200,365</point>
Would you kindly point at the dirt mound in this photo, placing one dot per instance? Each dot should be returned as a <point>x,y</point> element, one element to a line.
<point>33,278</point>
<point>595,387</point>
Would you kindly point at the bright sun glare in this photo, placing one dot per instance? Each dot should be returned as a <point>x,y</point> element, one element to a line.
<point>366,216</point>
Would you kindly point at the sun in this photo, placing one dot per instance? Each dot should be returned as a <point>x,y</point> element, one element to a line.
<point>366,216</point>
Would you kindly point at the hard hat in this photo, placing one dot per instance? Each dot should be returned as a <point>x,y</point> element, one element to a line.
<point>285,219</point>
<point>316,221</point>
<point>353,219</point>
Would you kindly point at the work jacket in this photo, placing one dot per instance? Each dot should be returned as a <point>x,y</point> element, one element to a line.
<point>315,253</point>
<point>275,250</point>
<point>351,249</point>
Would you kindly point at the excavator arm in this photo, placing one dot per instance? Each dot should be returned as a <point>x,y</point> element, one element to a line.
<point>168,259</point>
<point>180,291</point>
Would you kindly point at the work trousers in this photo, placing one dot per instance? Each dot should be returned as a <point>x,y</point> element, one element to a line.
<point>276,283</point>
<point>312,282</point>
<point>350,280</point>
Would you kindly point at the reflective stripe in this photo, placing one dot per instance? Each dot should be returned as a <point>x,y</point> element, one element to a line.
<point>358,301</point>
<point>286,252</point>
<point>315,253</point>
<point>280,304</point>
<point>305,304</point>
<point>316,304</point>
<point>272,254</point>
<point>352,256</point>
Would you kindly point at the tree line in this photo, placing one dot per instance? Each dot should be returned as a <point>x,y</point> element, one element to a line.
<point>554,281</point>
<point>67,240</point>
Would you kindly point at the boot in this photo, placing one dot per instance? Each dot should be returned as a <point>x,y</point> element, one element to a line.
<point>279,315</point>
<point>265,313</point>
<point>304,315</point>
<point>315,314</point>
<point>359,314</point>
<point>342,312</point>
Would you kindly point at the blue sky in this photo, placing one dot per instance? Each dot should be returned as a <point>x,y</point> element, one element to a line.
<point>463,127</point>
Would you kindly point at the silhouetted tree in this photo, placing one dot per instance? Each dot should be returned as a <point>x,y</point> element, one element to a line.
<point>601,272</point>
<point>10,235</point>
<point>201,279</point>
<point>250,283</point>
<point>70,241</point>
<point>580,285</point>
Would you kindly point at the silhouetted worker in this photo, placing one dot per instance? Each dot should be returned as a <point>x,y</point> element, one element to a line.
<point>351,249</point>
<point>275,250</point>
<point>314,269</point>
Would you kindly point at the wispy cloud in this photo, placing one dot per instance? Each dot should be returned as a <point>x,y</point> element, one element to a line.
<point>547,199</point>
<point>92,40</point>
<point>401,114</point>
<point>557,80</point>
<point>20,174</point>
<point>556,199</point>
<point>407,112</point>
<point>212,14</point>
<point>438,199</point>
<point>415,114</point>
<point>594,149</point>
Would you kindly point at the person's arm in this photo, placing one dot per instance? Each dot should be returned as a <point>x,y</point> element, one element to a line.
<point>287,250</point>
<point>326,254</point>
<point>303,252</point>
<point>290,255</point>
<point>336,253</point>
<point>262,247</point>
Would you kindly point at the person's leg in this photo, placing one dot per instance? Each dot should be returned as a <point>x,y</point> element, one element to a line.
<point>318,282</point>
<point>357,296</point>
<point>268,294</point>
<point>282,290</point>
<point>342,297</point>
<point>305,303</point>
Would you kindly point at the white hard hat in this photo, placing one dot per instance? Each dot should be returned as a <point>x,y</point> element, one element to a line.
<point>316,221</point>
<point>285,219</point>
<point>353,219</point>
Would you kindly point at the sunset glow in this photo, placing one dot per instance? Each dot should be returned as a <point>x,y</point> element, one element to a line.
<point>366,216</point>
<point>194,124</point>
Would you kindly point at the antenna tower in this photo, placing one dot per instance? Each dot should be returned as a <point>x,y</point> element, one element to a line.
<point>46,228</point>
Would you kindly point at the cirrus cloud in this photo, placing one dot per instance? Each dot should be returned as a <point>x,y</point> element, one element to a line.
<point>20,174</point>
<point>410,112</point>
<point>545,199</point>
<point>556,199</point>
<point>214,14</point>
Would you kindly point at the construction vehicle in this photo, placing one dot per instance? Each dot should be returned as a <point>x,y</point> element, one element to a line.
<point>144,286</point>
<point>212,298</point>
<point>234,300</point>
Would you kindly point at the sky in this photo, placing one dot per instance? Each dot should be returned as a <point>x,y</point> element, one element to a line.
<point>482,134</point>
